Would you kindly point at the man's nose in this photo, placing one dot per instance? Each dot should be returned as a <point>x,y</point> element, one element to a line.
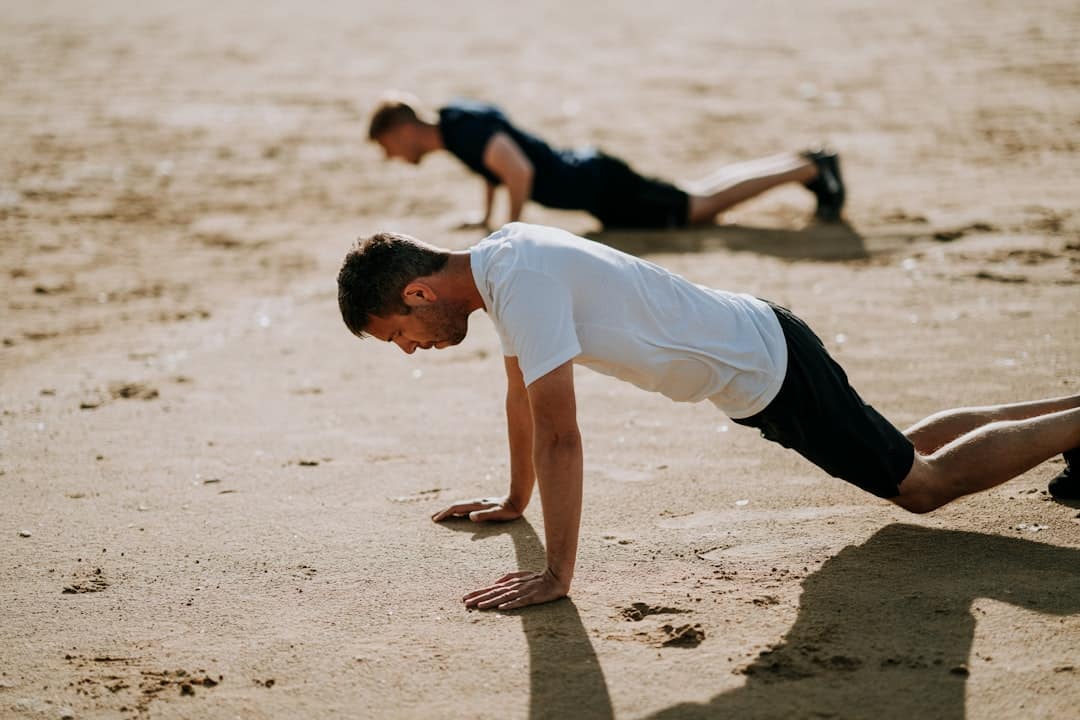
<point>407,346</point>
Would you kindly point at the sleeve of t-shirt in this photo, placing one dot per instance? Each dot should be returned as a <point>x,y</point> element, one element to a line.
<point>536,323</point>
<point>469,136</point>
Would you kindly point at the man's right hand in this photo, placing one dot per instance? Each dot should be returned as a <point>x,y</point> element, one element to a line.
<point>496,509</point>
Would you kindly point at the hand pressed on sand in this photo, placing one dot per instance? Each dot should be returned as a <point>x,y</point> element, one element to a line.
<point>516,590</point>
<point>489,509</point>
<point>545,447</point>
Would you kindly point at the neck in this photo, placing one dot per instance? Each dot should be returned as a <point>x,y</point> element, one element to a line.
<point>431,137</point>
<point>462,285</point>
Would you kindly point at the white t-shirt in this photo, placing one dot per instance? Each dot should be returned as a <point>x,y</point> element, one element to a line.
<point>556,297</point>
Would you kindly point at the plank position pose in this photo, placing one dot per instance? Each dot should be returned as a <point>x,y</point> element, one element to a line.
<point>481,136</point>
<point>557,299</point>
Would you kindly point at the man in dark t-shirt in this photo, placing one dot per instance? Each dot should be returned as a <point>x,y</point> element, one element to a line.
<point>483,138</point>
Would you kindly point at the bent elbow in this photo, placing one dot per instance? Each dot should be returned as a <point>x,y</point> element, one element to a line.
<point>524,180</point>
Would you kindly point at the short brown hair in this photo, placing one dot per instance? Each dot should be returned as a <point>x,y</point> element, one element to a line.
<point>391,113</point>
<point>374,275</point>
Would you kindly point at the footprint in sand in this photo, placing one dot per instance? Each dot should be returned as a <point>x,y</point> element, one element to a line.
<point>688,636</point>
<point>956,233</point>
<point>132,391</point>
<point>120,391</point>
<point>91,583</point>
<point>639,611</point>
<point>667,635</point>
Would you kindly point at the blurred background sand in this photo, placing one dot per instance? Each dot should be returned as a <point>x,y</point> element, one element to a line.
<point>206,477</point>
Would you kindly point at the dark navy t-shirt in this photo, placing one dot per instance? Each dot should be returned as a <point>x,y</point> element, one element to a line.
<point>560,177</point>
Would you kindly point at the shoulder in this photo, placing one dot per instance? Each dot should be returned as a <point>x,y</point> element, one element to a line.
<point>507,252</point>
<point>520,238</point>
<point>498,248</point>
<point>461,109</point>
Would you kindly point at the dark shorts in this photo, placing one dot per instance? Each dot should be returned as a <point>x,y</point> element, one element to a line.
<point>821,417</point>
<point>624,199</point>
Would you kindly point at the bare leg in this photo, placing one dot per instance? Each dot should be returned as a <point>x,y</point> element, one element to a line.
<point>746,180</point>
<point>985,457</point>
<point>747,169</point>
<point>933,432</point>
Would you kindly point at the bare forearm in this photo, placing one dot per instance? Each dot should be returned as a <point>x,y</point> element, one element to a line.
<point>558,462</point>
<point>520,190</point>
<point>489,201</point>
<point>520,434</point>
<point>506,161</point>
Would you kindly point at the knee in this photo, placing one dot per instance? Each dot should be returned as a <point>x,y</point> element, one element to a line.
<point>917,503</point>
<point>923,490</point>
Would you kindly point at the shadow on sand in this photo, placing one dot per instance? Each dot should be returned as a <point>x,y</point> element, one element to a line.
<point>829,241</point>
<point>565,679</point>
<point>884,629</point>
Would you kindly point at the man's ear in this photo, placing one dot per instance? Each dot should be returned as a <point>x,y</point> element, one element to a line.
<point>418,293</point>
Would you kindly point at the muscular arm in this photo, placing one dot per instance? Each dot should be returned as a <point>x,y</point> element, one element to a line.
<point>519,427</point>
<point>557,459</point>
<point>505,158</point>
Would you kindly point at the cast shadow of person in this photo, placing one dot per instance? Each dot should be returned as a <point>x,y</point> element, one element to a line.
<point>885,629</point>
<point>565,678</point>
<point>826,241</point>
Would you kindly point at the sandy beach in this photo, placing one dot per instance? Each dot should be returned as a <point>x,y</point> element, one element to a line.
<point>216,501</point>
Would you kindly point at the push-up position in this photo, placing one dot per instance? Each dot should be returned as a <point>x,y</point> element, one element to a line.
<point>557,299</point>
<point>481,136</point>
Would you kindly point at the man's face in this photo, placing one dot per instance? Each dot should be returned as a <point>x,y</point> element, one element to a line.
<point>402,143</point>
<point>438,325</point>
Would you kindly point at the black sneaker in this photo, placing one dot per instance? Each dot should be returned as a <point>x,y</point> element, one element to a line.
<point>828,186</point>
<point>1066,486</point>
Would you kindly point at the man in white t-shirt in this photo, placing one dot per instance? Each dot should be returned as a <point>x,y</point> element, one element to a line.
<point>557,299</point>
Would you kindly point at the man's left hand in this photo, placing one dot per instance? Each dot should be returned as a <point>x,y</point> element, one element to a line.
<point>517,590</point>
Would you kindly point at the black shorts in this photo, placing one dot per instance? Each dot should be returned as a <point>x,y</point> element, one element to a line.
<point>623,199</point>
<point>820,416</point>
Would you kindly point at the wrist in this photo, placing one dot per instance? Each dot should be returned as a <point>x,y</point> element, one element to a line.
<point>517,503</point>
<point>560,576</point>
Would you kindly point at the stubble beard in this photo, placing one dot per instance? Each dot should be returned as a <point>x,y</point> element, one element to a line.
<point>448,323</point>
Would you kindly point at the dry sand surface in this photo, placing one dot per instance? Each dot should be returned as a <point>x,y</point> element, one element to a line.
<point>215,501</point>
